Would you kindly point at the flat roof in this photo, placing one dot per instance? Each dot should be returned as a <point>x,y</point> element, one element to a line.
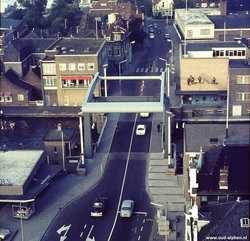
<point>193,16</point>
<point>209,46</point>
<point>16,166</point>
<point>198,135</point>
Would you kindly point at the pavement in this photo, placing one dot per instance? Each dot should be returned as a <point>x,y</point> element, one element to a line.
<point>165,191</point>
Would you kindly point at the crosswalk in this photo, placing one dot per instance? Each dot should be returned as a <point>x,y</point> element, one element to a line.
<point>154,70</point>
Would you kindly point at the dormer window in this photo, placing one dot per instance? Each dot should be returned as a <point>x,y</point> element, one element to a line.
<point>117,37</point>
<point>244,222</point>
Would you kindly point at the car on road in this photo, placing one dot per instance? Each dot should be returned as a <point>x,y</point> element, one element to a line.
<point>151,30</point>
<point>167,36</point>
<point>155,25</point>
<point>127,208</point>
<point>141,130</point>
<point>144,114</point>
<point>4,233</point>
<point>151,35</point>
<point>99,206</point>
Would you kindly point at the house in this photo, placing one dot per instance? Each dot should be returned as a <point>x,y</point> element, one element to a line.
<point>162,8</point>
<point>204,74</point>
<point>216,168</point>
<point>14,90</point>
<point>20,54</point>
<point>68,69</point>
<point>60,148</point>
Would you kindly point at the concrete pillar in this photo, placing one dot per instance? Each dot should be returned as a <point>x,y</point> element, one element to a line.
<point>88,136</point>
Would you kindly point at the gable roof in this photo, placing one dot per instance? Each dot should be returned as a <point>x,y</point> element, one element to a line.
<point>18,49</point>
<point>15,79</point>
<point>225,220</point>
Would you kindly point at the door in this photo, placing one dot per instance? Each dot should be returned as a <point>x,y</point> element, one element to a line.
<point>47,100</point>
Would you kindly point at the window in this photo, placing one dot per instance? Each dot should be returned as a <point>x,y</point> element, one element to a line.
<point>81,66</point>
<point>117,36</point>
<point>221,52</point>
<point>205,32</point>
<point>227,53</point>
<point>76,82</point>
<point>20,97</point>
<point>109,51</point>
<point>8,98</point>
<point>231,53</point>
<point>49,81</point>
<point>243,96</point>
<point>55,149</point>
<point>243,79</point>
<point>72,66</point>
<point>1,99</point>
<point>91,66</point>
<point>62,67</point>
<point>244,222</point>
<point>117,50</point>
<point>49,68</point>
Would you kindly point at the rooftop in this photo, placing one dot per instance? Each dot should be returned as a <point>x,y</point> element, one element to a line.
<point>197,135</point>
<point>77,46</point>
<point>193,16</point>
<point>239,63</point>
<point>16,166</point>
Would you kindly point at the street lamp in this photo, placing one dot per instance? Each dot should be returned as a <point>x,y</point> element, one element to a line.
<point>105,66</point>
<point>123,61</point>
<point>130,50</point>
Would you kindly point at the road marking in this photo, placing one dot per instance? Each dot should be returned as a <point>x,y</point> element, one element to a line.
<point>161,70</point>
<point>139,237</point>
<point>81,234</point>
<point>137,70</point>
<point>144,220</point>
<point>88,238</point>
<point>156,69</point>
<point>85,226</point>
<point>142,69</point>
<point>146,70</point>
<point>64,229</point>
<point>141,228</point>
<point>144,213</point>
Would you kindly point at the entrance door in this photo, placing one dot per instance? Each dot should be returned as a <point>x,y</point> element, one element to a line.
<point>237,110</point>
<point>47,100</point>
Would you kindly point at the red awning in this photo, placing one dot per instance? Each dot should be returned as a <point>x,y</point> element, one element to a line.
<point>77,77</point>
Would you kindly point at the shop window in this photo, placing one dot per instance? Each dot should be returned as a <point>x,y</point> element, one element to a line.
<point>62,67</point>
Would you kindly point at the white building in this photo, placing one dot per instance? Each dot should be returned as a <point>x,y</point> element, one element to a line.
<point>162,8</point>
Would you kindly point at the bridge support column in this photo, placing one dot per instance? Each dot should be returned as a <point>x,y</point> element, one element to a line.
<point>88,136</point>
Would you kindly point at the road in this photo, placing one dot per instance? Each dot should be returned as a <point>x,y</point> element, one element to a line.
<point>125,173</point>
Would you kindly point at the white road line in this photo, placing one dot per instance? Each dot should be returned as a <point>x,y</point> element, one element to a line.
<point>81,234</point>
<point>156,69</point>
<point>144,220</point>
<point>161,69</point>
<point>137,70</point>
<point>85,226</point>
<point>141,228</point>
<point>146,70</point>
<point>142,69</point>
<point>139,237</point>
<point>90,230</point>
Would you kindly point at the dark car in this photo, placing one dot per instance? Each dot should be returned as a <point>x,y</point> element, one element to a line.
<point>98,207</point>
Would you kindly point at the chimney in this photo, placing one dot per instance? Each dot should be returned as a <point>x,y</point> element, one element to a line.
<point>224,176</point>
<point>223,7</point>
<point>213,143</point>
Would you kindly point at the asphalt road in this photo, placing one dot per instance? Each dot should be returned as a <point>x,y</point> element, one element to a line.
<point>124,177</point>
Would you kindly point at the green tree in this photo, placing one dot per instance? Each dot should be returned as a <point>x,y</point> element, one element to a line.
<point>62,17</point>
<point>34,10</point>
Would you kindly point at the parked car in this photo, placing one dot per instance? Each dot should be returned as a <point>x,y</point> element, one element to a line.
<point>167,36</point>
<point>151,35</point>
<point>4,233</point>
<point>144,114</point>
<point>141,130</point>
<point>127,208</point>
<point>155,25</point>
<point>98,207</point>
<point>151,30</point>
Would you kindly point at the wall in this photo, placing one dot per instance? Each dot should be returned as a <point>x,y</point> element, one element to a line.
<point>207,69</point>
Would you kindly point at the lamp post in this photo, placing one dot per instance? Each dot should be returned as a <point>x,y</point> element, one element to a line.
<point>130,50</point>
<point>105,79</point>
<point>168,127</point>
<point>123,61</point>
<point>81,138</point>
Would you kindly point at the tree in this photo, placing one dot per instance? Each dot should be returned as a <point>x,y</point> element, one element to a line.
<point>31,11</point>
